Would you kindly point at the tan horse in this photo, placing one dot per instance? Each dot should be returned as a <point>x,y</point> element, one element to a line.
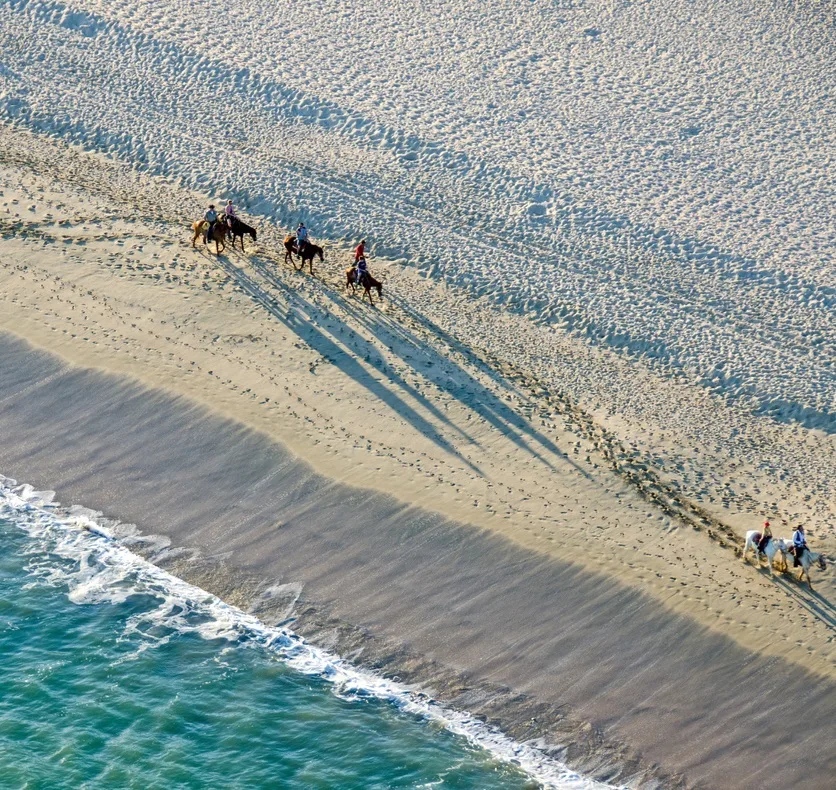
<point>218,233</point>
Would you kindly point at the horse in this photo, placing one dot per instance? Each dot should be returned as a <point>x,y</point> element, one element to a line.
<point>772,548</point>
<point>310,251</point>
<point>368,282</point>
<point>808,558</point>
<point>236,230</point>
<point>218,233</point>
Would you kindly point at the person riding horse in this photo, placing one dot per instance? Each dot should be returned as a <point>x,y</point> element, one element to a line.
<point>211,216</point>
<point>229,214</point>
<point>301,239</point>
<point>362,270</point>
<point>799,545</point>
<point>766,536</point>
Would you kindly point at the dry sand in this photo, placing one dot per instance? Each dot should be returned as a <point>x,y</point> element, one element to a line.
<point>429,482</point>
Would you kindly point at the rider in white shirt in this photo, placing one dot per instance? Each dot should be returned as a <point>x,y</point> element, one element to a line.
<point>211,216</point>
<point>301,237</point>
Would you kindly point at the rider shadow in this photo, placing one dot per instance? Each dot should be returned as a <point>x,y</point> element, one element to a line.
<point>465,389</point>
<point>820,607</point>
<point>341,355</point>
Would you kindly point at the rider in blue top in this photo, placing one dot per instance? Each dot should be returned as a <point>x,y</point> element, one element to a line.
<point>362,269</point>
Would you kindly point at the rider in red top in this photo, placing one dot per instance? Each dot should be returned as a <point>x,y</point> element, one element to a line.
<point>360,252</point>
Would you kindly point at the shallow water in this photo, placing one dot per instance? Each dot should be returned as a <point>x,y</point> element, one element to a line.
<point>116,674</point>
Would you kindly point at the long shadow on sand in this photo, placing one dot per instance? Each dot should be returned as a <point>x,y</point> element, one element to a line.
<point>337,351</point>
<point>342,347</point>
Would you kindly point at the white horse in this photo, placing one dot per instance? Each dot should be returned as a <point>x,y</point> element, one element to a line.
<point>808,559</point>
<point>772,548</point>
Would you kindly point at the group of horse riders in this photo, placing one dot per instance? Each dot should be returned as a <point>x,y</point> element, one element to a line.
<point>300,238</point>
<point>212,217</point>
<point>799,542</point>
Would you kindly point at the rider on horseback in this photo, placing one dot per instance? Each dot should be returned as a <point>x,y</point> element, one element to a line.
<point>799,544</point>
<point>301,238</point>
<point>211,216</point>
<point>360,265</point>
<point>229,213</point>
<point>766,536</point>
<point>362,269</point>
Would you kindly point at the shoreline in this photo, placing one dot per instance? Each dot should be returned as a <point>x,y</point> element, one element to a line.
<point>465,600</point>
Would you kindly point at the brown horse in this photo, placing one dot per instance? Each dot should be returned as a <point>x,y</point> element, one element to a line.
<point>236,230</point>
<point>368,283</point>
<point>218,233</point>
<point>310,251</point>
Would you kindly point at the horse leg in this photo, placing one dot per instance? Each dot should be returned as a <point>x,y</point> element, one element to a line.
<point>369,294</point>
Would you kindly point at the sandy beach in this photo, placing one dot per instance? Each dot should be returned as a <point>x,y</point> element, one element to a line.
<point>526,525</point>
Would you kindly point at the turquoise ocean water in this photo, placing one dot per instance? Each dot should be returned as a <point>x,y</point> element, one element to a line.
<point>115,675</point>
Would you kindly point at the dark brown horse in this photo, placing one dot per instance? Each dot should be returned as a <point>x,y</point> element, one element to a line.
<point>307,255</point>
<point>218,233</point>
<point>236,230</point>
<point>368,282</point>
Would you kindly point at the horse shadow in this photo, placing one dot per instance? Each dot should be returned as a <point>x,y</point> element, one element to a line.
<point>344,349</point>
<point>813,601</point>
<point>345,344</point>
<point>453,379</point>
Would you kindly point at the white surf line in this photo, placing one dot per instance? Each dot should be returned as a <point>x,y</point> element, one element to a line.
<point>79,536</point>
